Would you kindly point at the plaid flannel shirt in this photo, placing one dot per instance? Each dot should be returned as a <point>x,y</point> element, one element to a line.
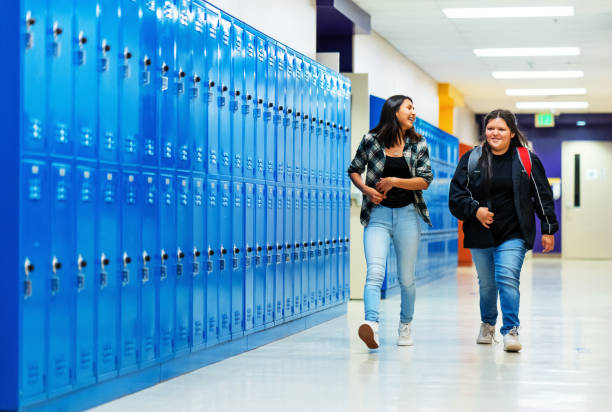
<point>371,153</point>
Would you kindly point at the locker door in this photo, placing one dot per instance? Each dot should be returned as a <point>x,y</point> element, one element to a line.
<point>249,252</point>
<point>225,244</point>
<point>288,118</point>
<point>340,246</point>
<point>148,261</point>
<point>237,269</point>
<point>85,78</point>
<point>108,66</point>
<point>278,115</point>
<point>85,194</point>
<point>184,263</point>
<point>314,130</point>
<point>167,272</point>
<point>322,135</point>
<point>347,239</point>
<point>322,272</point>
<point>59,77</point>
<point>298,98</point>
<point>212,79</point>
<point>150,78</point>
<point>184,84</point>
<point>249,96</point>
<point>167,98</point>
<point>237,89</point>
<point>129,83</point>
<point>280,264</point>
<point>197,94</point>
<point>315,284</point>
<point>333,109</point>
<point>34,78</point>
<point>270,253</point>
<point>329,282</point>
<point>259,102</point>
<point>305,148</point>
<point>131,245</point>
<point>260,254</point>
<point>305,298</point>
<point>35,247</point>
<point>328,135</point>
<point>270,141</point>
<point>297,248</point>
<point>108,264</point>
<point>347,129</point>
<point>212,269</point>
<point>288,255</point>
<point>335,272</point>
<point>223,99</point>
<point>198,272</point>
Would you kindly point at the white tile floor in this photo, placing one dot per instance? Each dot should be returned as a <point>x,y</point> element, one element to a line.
<point>565,365</point>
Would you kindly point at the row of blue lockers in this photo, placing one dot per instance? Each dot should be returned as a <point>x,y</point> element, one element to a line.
<point>123,268</point>
<point>179,85</point>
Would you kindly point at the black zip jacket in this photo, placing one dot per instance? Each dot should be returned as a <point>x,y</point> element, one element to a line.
<point>468,194</point>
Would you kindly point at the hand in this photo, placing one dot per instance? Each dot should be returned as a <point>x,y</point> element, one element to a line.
<point>548,243</point>
<point>385,184</point>
<point>484,216</point>
<point>374,195</point>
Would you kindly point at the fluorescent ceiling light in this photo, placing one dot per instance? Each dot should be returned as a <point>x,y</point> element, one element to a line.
<point>552,105</point>
<point>545,92</point>
<point>539,74</point>
<point>503,12</point>
<point>528,51</point>
<point>580,123</point>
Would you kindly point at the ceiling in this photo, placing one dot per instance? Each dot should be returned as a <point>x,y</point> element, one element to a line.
<point>443,48</point>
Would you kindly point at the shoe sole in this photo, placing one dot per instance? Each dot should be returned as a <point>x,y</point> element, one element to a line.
<point>367,336</point>
<point>405,343</point>
<point>483,342</point>
<point>513,348</point>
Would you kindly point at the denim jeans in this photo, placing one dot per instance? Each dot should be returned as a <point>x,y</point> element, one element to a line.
<point>402,226</point>
<point>499,270</point>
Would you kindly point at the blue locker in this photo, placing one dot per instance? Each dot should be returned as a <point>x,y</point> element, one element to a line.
<point>249,253</point>
<point>347,130</point>
<point>108,259</point>
<point>315,131</point>
<point>323,279</point>
<point>223,99</point>
<point>34,78</point>
<point>270,261</point>
<point>279,233</point>
<point>59,77</point>
<point>315,284</point>
<point>184,263</point>
<point>327,129</point>
<point>322,135</point>
<point>168,256</point>
<point>197,125</point>
<point>238,251</point>
<point>269,113</point>
<point>249,96</point>
<point>347,248</point>
<point>198,271</point>
<point>85,194</point>
<point>85,76</point>
<point>259,263</point>
<point>278,115</point>
<point>225,243</point>
<point>149,72</point>
<point>237,110</point>
<point>212,269</point>
<point>212,78</point>
<point>167,127</point>
<point>259,110</point>
<point>305,124</point>
<point>297,248</point>
<point>184,83</point>
<point>335,154</point>
<point>35,248</point>
<point>305,252</point>
<point>129,83</point>
<point>329,282</point>
<point>149,259</point>
<point>131,246</point>
<point>288,123</point>
<point>288,261</point>
<point>108,67</point>
<point>298,112</point>
<point>336,272</point>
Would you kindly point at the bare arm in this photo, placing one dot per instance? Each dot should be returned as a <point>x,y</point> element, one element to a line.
<point>414,183</point>
<point>373,194</point>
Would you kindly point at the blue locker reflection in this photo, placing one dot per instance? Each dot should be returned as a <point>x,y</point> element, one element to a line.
<point>259,103</point>
<point>237,251</point>
<point>236,90</point>
<point>212,269</point>
<point>249,253</point>
<point>184,263</point>
<point>198,93</point>
<point>270,260</point>
<point>260,256</point>
<point>249,96</point>
<point>167,99</point>
<point>297,248</point>
<point>288,261</point>
<point>212,79</point>
<point>279,227</point>
<point>130,286</point>
<point>225,244</point>
<point>269,113</point>
<point>223,90</point>
<point>184,84</point>
<point>108,261</point>
<point>199,269</point>
<point>150,79</point>
<point>168,257</point>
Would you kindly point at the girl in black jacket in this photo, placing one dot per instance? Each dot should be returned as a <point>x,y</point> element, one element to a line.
<point>496,201</point>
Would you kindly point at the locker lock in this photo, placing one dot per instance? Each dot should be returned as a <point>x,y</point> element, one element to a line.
<point>165,68</point>
<point>327,124</point>
<point>341,240</point>
<point>270,105</point>
<point>104,260</point>
<point>236,250</point>
<point>334,241</point>
<point>196,253</point>
<point>347,129</point>
<point>127,54</point>
<point>28,266</point>
<point>211,84</point>
<point>327,241</point>
<point>288,246</point>
<point>105,47</point>
<point>224,88</point>
<point>31,21</point>
<point>249,97</point>
<point>297,245</point>
<point>164,256</point>
<point>313,243</point>
<point>181,74</point>
<point>347,240</point>
<point>269,248</point>
<point>145,257</point>
<point>298,114</point>
<point>259,248</point>
<point>249,249</point>
<point>320,242</point>
<point>305,244</point>
<point>289,111</point>
<point>280,108</point>
<point>306,116</point>
<point>211,252</point>
<point>82,40</point>
<point>56,265</point>
<point>320,121</point>
<point>334,125</point>
<point>147,61</point>
<point>237,93</point>
<point>314,119</point>
<point>81,263</point>
<point>57,30</point>
<point>279,247</point>
<point>196,79</point>
<point>126,259</point>
<point>223,251</point>
<point>259,101</point>
<point>180,254</point>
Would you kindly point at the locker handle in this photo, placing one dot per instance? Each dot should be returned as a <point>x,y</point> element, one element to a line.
<point>223,251</point>
<point>313,243</point>
<point>165,68</point>
<point>30,268</point>
<point>83,40</point>
<point>341,240</point>
<point>237,93</point>
<point>334,125</point>
<point>211,252</point>
<point>297,245</point>
<point>197,79</point>
<point>196,253</point>
<point>347,129</point>
<point>289,111</point>
<point>327,124</point>
<point>320,242</point>
<point>147,61</point>
<point>106,47</point>
<point>181,74</point>
<point>327,242</point>
<point>298,114</point>
<point>164,256</point>
<point>334,241</point>
<point>306,116</point>
<point>347,240</point>
<point>305,244</point>
<point>211,83</point>
<point>259,248</point>
<point>249,97</point>
<point>279,247</point>
<point>320,121</point>
<point>147,258</point>
<point>236,251</point>
<point>224,88</point>
<point>57,265</point>
<point>269,247</point>
<point>288,245</point>
<point>249,249</point>
<point>126,259</point>
<point>105,262</point>
<point>128,55</point>
<point>181,255</point>
<point>259,101</point>
<point>57,31</point>
<point>280,108</point>
<point>270,105</point>
<point>82,263</point>
<point>314,119</point>
<point>31,21</point>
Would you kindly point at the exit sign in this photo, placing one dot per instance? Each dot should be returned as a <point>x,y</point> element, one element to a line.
<point>544,120</point>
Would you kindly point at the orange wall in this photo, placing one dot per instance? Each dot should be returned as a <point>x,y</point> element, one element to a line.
<point>465,257</point>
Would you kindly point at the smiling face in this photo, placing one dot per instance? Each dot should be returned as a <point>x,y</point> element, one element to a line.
<point>406,115</point>
<point>498,136</point>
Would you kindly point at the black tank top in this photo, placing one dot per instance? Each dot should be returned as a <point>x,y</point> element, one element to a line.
<point>396,197</point>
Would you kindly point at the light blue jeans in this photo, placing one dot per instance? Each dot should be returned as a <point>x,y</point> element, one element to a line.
<point>499,270</point>
<point>402,226</point>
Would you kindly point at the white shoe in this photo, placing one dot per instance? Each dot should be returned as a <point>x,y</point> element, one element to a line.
<point>405,335</point>
<point>486,334</point>
<point>511,341</point>
<point>368,332</point>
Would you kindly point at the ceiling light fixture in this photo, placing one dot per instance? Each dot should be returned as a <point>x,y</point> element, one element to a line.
<point>539,74</point>
<point>580,123</point>
<point>546,92</point>
<point>505,12</point>
<point>552,105</point>
<point>528,51</point>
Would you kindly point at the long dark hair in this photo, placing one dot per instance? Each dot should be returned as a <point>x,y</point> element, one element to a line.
<point>519,139</point>
<point>388,130</point>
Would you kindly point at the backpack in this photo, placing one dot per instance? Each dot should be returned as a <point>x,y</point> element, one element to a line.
<point>523,153</point>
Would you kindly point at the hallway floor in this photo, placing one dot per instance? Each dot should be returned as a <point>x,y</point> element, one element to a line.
<point>565,364</point>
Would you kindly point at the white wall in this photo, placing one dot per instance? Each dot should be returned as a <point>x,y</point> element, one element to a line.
<point>390,72</point>
<point>296,27</point>
<point>464,125</point>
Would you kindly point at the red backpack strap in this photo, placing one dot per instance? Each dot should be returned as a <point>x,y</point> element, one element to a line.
<point>525,159</point>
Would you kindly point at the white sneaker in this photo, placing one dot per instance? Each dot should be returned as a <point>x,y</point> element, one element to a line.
<point>405,335</point>
<point>368,332</point>
<point>486,334</point>
<point>511,341</point>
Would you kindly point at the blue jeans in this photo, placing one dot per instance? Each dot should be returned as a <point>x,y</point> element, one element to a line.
<point>499,269</point>
<point>402,226</point>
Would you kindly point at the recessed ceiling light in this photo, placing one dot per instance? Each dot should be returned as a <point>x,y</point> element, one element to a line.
<point>528,51</point>
<point>552,105</point>
<point>580,123</point>
<point>545,92</point>
<point>539,74</point>
<point>504,12</point>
